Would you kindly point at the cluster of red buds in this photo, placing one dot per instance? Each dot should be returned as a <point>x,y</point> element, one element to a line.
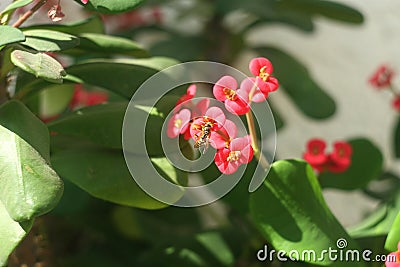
<point>209,126</point>
<point>337,161</point>
<point>382,78</point>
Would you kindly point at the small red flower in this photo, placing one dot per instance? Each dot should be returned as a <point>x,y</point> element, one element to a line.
<point>315,154</point>
<point>262,69</point>
<point>396,103</point>
<point>382,77</point>
<point>85,1</point>
<point>55,13</point>
<point>178,123</point>
<point>337,161</point>
<point>239,152</point>
<point>340,158</point>
<point>250,84</point>
<point>83,98</point>
<point>236,101</point>
<point>203,129</point>
<point>190,93</point>
<point>225,135</point>
<point>393,259</point>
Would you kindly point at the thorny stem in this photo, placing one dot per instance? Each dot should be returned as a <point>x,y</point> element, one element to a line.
<point>29,13</point>
<point>253,135</point>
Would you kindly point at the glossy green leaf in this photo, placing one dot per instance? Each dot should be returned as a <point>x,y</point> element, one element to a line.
<point>40,65</point>
<point>397,139</point>
<point>101,124</point>
<point>393,238</point>
<point>11,234</point>
<point>49,41</point>
<point>55,99</point>
<point>216,245</point>
<point>379,221</point>
<point>298,84</point>
<point>104,174</point>
<point>30,187</point>
<point>126,75</point>
<point>366,165</point>
<point>92,24</point>
<point>17,118</point>
<point>16,4</point>
<point>329,9</point>
<point>112,7</point>
<point>101,43</point>
<point>291,213</point>
<point>9,35</point>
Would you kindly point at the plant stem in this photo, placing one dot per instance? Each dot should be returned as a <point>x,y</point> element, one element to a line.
<point>29,13</point>
<point>253,135</point>
<point>4,96</point>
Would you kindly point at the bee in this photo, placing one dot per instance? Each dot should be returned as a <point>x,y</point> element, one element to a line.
<point>202,142</point>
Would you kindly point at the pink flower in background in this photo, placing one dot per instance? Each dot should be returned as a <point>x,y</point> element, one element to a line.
<point>382,77</point>
<point>239,152</point>
<point>258,95</point>
<point>315,154</point>
<point>83,98</point>
<point>396,103</point>
<point>85,1</point>
<point>236,100</point>
<point>393,259</point>
<point>178,123</point>
<point>262,69</point>
<point>340,158</point>
<point>190,93</point>
<point>225,135</point>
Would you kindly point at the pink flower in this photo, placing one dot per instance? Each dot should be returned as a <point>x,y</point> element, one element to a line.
<point>178,123</point>
<point>190,93</point>
<point>83,98</point>
<point>236,101</point>
<point>315,154</point>
<point>340,158</point>
<point>250,86</point>
<point>55,13</point>
<point>393,259</point>
<point>396,103</point>
<point>225,135</point>
<point>239,152</point>
<point>203,129</point>
<point>85,1</point>
<point>382,77</point>
<point>262,69</point>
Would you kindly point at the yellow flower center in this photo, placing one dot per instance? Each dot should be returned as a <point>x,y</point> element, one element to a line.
<point>178,123</point>
<point>233,156</point>
<point>263,74</point>
<point>230,94</point>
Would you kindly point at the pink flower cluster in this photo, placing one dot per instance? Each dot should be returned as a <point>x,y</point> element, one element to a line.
<point>209,126</point>
<point>382,78</point>
<point>337,161</point>
<point>393,259</point>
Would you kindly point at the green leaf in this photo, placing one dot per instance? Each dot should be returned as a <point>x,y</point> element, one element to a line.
<point>9,35</point>
<point>55,99</point>
<point>324,8</point>
<point>30,187</point>
<point>126,75</point>
<point>101,124</point>
<point>291,213</point>
<point>366,165</point>
<point>16,4</point>
<point>17,118</point>
<point>397,140</point>
<point>299,85</point>
<point>379,221</point>
<point>112,7</point>
<point>104,174</point>
<point>101,43</point>
<point>11,234</point>
<point>49,41</point>
<point>40,65</point>
<point>216,245</point>
<point>393,238</point>
<point>92,24</point>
